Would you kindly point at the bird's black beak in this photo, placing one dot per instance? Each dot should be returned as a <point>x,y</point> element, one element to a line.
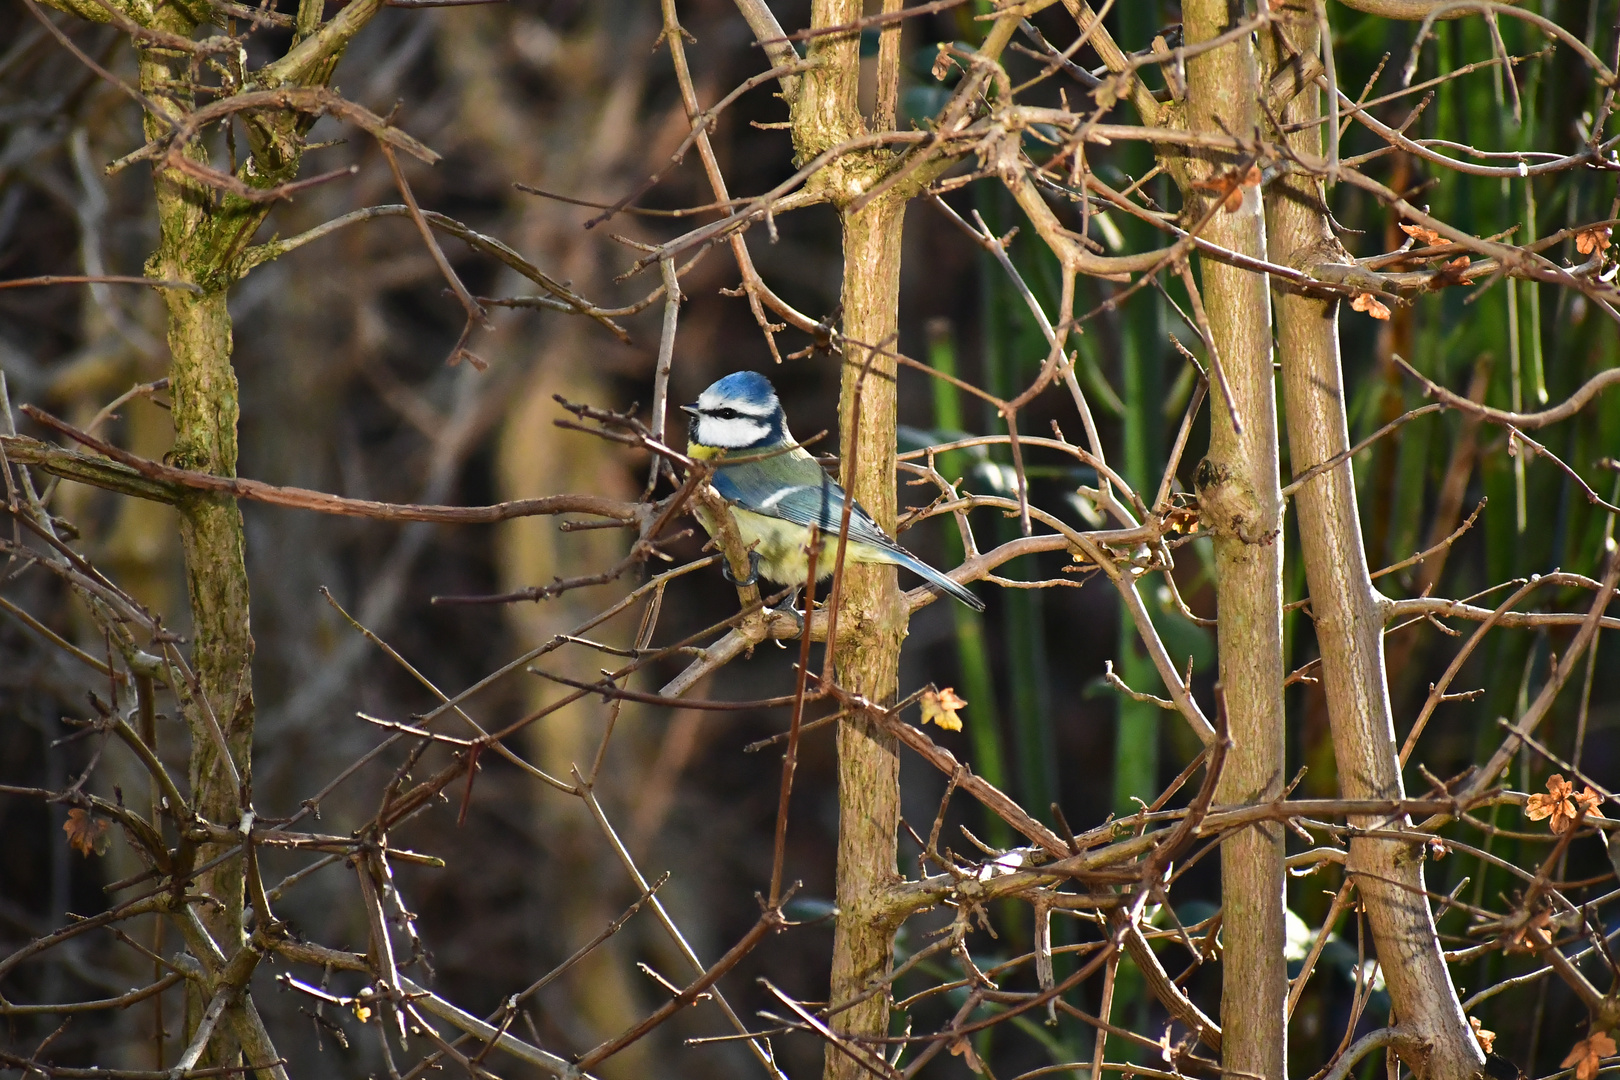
<point>690,409</point>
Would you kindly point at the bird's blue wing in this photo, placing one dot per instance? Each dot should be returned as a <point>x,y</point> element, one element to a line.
<point>797,490</point>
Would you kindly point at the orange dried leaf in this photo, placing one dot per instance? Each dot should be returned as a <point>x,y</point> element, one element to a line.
<point>1487,1039</point>
<point>1531,928</point>
<point>963,1049</point>
<point>1593,239</point>
<point>940,707</point>
<point>1181,519</point>
<point>1228,187</point>
<point>1371,305</point>
<point>86,835</point>
<point>1420,234</point>
<point>1558,803</point>
<point>1539,806</point>
<point>1455,272</point>
<point>1588,1054</point>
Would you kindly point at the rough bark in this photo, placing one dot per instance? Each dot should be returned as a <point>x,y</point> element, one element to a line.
<point>203,384</point>
<point>872,616</point>
<point>873,619</point>
<point>1239,477</point>
<point>202,233</point>
<point>1349,626</point>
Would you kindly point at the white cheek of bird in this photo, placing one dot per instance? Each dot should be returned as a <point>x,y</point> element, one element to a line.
<point>731,432</point>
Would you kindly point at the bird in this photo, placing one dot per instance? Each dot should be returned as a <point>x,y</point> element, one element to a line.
<point>777,491</point>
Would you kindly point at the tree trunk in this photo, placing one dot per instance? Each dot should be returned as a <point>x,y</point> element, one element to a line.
<point>204,410</point>
<point>872,625</point>
<point>871,615</point>
<point>202,232</point>
<point>204,393</point>
<point>1239,479</point>
<point>1349,627</point>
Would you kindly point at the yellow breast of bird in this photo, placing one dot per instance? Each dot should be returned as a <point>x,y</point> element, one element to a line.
<point>781,546</point>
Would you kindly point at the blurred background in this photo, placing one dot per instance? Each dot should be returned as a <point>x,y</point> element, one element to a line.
<point>340,350</point>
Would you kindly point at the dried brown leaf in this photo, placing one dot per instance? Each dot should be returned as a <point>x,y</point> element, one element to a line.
<point>1371,305</point>
<point>1454,272</point>
<point>1228,186</point>
<point>940,707</point>
<point>1593,239</point>
<point>1427,237</point>
<point>1559,803</point>
<point>963,1049</point>
<point>1531,927</point>
<point>1588,1054</point>
<point>86,835</point>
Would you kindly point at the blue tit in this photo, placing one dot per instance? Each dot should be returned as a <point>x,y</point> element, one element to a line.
<point>776,497</point>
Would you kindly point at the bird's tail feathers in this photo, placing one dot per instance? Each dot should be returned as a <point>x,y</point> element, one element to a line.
<point>940,583</point>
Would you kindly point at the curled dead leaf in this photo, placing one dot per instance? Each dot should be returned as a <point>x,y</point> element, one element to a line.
<point>1427,237</point>
<point>940,707</point>
<point>1454,272</point>
<point>1371,305</point>
<point>1180,519</point>
<point>1588,1054</point>
<point>86,835</point>
<point>963,1049</point>
<point>1112,89</point>
<point>1487,1039</point>
<point>1596,238</point>
<point>1228,186</point>
<point>1531,930</point>
<point>1560,803</point>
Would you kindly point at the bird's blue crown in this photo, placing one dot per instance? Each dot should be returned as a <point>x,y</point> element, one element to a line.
<point>746,387</point>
